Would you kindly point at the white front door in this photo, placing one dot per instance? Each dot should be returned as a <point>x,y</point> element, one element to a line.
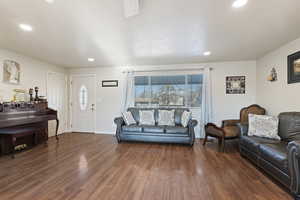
<point>83,103</point>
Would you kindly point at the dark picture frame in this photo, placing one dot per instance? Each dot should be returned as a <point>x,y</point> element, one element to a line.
<point>294,68</point>
<point>236,85</point>
<point>110,83</point>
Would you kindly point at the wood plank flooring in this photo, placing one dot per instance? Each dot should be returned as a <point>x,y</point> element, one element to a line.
<point>95,167</point>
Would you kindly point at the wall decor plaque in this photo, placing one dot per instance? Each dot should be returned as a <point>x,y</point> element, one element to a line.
<point>235,84</point>
<point>110,83</point>
<point>11,72</point>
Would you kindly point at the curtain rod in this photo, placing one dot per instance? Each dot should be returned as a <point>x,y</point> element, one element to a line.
<point>167,70</point>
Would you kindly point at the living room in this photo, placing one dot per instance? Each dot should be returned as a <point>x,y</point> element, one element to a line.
<point>139,99</point>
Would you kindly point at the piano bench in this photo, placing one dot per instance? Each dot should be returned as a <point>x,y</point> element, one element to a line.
<point>15,133</point>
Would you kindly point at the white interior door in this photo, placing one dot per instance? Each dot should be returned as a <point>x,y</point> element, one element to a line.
<point>57,100</point>
<point>83,103</point>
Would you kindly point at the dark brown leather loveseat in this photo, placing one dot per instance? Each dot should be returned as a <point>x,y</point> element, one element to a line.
<point>280,159</point>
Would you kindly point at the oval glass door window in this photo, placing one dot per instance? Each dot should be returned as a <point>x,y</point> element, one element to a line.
<point>83,97</point>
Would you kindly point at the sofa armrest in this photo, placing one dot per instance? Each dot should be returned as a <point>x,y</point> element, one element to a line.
<point>294,164</point>
<point>119,121</point>
<point>243,128</point>
<point>191,127</point>
<point>230,122</point>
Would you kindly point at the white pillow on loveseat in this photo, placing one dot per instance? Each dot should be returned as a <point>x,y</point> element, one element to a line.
<point>128,118</point>
<point>166,117</point>
<point>147,117</point>
<point>185,118</point>
<point>263,126</point>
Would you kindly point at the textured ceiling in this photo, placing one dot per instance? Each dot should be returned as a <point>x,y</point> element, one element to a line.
<point>67,32</point>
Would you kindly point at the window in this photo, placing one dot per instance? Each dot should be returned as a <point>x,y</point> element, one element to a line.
<point>83,98</point>
<point>173,91</point>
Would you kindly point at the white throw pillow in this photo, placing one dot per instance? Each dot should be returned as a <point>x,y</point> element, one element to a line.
<point>147,117</point>
<point>185,118</point>
<point>128,118</point>
<point>166,117</point>
<point>263,126</point>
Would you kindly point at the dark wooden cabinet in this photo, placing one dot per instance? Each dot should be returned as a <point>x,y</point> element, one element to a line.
<point>21,116</point>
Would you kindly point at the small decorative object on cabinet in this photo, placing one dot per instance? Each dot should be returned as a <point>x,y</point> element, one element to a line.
<point>31,94</point>
<point>36,89</point>
<point>273,75</point>
<point>294,68</point>
<point>20,95</point>
<point>235,85</point>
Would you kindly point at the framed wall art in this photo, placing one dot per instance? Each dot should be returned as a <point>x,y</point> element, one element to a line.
<point>110,83</point>
<point>235,84</point>
<point>294,68</point>
<point>11,72</point>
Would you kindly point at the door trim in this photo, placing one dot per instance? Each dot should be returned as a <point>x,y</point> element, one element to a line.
<point>71,98</point>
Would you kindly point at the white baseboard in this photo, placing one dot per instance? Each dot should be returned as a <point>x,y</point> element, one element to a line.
<point>105,132</point>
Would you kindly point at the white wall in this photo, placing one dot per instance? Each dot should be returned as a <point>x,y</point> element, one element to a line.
<point>277,96</point>
<point>33,73</point>
<point>224,106</point>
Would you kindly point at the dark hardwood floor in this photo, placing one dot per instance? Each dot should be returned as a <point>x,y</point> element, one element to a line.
<point>87,166</point>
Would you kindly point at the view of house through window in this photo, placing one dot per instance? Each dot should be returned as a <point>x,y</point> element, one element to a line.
<point>173,91</point>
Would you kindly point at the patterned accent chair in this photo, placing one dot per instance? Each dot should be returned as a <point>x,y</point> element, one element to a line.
<point>231,129</point>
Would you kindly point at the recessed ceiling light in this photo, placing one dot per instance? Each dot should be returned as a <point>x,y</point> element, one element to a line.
<point>91,59</point>
<point>239,3</point>
<point>207,53</point>
<point>49,1</point>
<point>25,27</point>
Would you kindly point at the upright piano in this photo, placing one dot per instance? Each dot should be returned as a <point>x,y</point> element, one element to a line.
<point>20,115</point>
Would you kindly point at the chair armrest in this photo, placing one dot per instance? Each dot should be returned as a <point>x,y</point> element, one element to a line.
<point>213,129</point>
<point>293,165</point>
<point>192,123</point>
<point>230,122</point>
<point>243,129</point>
<point>119,121</point>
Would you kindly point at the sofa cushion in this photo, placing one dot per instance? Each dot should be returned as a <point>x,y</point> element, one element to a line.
<point>185,118</point>
<point>276,154</point>
<point>132,128</point>
<point>147,117</point>
<point>177,114</point>
<point>128,118</point>
<point>166,117</point>
<point>289,126</point>
<point>153,129</point>
<point>263,126</point>
<point>135,114</point>
<point>176,130</point>
<point>252,142</point>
